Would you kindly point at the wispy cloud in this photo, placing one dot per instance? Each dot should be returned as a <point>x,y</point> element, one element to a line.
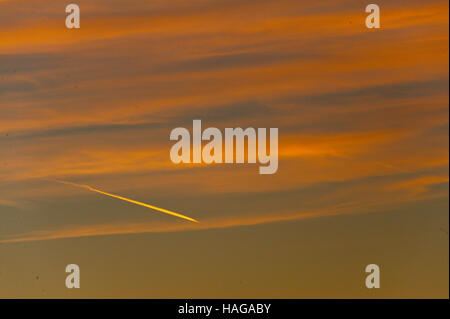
<point>364,110</point>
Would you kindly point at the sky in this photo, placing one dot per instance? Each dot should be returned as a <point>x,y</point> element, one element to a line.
<point>363,169</point>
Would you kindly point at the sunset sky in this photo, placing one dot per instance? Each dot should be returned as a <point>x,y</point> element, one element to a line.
<point>363,174</point>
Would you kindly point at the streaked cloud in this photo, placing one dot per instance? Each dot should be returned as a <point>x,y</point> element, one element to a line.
<point>363,115</point>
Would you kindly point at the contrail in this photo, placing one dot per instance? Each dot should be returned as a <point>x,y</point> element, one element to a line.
<point>127,200</point>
